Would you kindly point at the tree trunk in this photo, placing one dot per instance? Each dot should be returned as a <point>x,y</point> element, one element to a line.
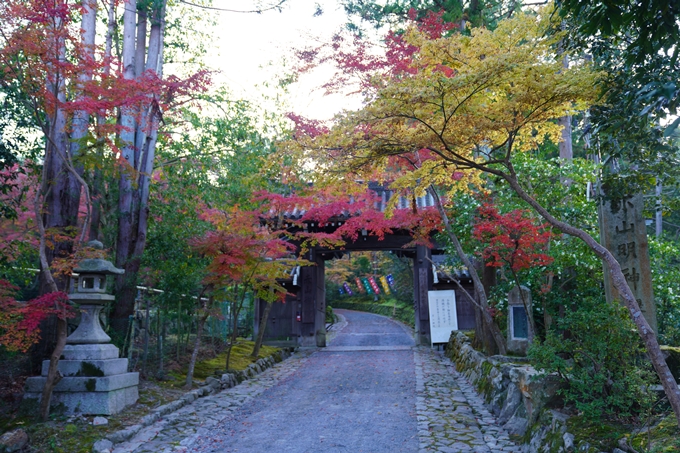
<point>61,188</point>
<point>147,326</point>
<point>658,217</point>
<point>619,281</point>
<point>236,309</point>
<point>52,372</point>
<point>260,332</point>
<point>98,189</point>
<point>139,138</point>
<point>125,284</point>
<point>194,354</point>
<point>179,329</point>
<point>479,287</point>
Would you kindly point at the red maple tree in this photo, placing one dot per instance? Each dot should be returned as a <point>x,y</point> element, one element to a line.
<point>512,239</point>
<point>20,321</point>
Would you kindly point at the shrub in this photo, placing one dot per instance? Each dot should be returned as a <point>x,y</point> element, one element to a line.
<point>595,350</point>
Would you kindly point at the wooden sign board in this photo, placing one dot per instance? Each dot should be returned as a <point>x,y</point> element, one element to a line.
<point>443,318</point>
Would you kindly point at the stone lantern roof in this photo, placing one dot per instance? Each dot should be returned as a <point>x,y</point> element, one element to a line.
<point>97,266</point>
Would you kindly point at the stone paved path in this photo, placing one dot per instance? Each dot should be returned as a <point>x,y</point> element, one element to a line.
<point>451,415</point>
<point>180,430</point>
<point>371,393</point>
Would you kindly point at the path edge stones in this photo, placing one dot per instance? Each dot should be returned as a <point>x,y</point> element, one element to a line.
<point>212,385</point>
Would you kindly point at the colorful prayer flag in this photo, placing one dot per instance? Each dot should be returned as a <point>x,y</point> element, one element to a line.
<point>385,285</point>
<point>374,285</point>
<point>367,285</point>
<point>360,285</point>
<point>348,290</point>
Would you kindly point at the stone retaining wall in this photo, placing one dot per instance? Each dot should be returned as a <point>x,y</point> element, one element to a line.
<point>517,395</point>
<point>510,386</point>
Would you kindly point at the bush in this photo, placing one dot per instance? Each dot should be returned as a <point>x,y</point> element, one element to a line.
<point>595,350</point>
<point>330,316</point>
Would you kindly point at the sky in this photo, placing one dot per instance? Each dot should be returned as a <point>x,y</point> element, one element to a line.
<point>251,49</point>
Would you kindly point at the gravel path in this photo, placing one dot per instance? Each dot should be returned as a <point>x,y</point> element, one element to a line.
<point>370,391</point>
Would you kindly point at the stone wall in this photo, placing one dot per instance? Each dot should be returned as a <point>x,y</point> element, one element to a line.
<point>519,397</point>
<point>512,389</point>
<point>516,395</point>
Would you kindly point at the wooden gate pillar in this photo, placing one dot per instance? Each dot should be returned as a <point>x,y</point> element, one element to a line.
<point>422,283</point>
<point>313,300</point>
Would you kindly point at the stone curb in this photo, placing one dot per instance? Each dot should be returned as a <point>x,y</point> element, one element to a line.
<point>212,385</point>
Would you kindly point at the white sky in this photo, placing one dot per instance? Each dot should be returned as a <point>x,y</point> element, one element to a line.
<point>251,49</point>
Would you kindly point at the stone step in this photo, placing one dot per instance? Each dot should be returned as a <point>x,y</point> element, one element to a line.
<point>85,384</point>
<point>92,403</point>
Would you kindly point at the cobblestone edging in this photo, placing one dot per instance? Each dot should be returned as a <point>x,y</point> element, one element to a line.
<point>170,427</point>
<point>452,417</point>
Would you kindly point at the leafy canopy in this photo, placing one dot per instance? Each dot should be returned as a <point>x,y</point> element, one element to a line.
<point>470,103</point>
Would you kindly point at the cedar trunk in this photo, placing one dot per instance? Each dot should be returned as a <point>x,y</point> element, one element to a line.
<point>139,137</point>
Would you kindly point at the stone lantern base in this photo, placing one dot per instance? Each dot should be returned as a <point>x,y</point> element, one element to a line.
<point>95,381</point>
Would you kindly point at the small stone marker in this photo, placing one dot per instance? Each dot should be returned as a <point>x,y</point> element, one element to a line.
<point>623,233</point>
<point>518,321</point>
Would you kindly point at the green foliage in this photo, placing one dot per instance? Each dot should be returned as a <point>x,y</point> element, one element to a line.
<point>395,13</point>
<point>596,352</point>
<point>330,316</point>
<point>575,272</point>
<point>635,43</point>
<point>665,256</point>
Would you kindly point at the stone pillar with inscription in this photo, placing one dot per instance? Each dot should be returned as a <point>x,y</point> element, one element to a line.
<point>623,233</point>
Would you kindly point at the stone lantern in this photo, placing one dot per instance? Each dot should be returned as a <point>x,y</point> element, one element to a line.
<point>95,380</point>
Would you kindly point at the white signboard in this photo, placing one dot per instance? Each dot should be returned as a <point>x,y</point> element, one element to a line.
<point>443,317</point>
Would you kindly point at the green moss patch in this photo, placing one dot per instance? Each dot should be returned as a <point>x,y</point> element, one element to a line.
<point>89,369</point>
<point>663,437</point>
<point>239,360</point>
<point>599,434</point>
<point>91,385</point>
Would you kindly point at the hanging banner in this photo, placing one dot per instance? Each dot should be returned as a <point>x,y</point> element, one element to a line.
<point>385,285</point>
<point>360,285</point>
<point>374,285</point>
<point>367,285</point>
<point>348,290</point>
<point>390,279</point>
